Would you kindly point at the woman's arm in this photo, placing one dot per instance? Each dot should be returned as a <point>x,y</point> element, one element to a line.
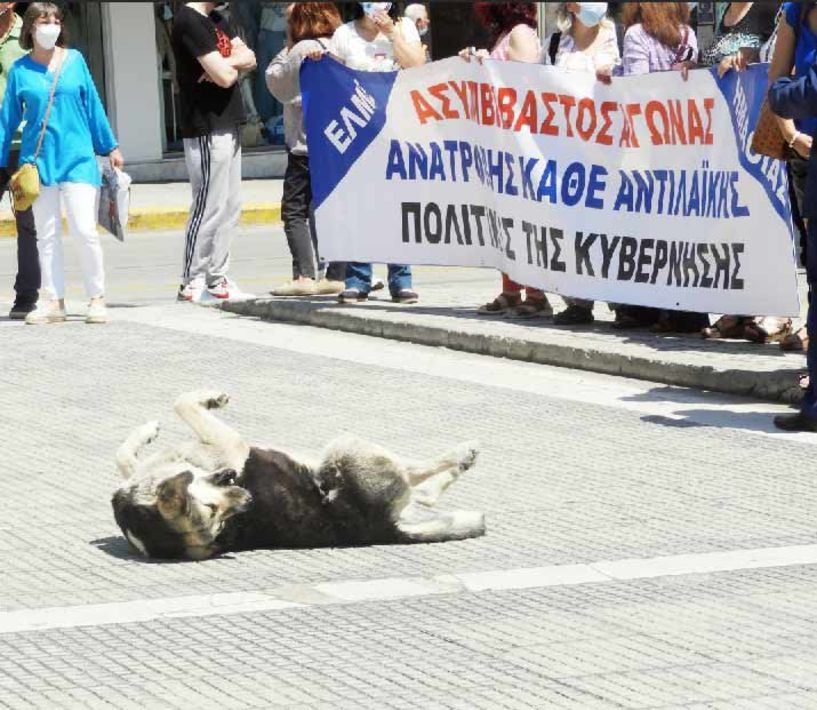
<point>636,56</point>
<point>784,50</point>
<point>105,142</point>
<point>282,76</point>
<point>408,51</point>
<point>524,45</point>
<point>782,65</point>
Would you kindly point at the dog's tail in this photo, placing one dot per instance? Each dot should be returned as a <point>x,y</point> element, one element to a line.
<point>127,456</point>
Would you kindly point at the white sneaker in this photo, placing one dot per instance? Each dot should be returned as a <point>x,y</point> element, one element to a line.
<point>224,290</point>
<point>46,314</point>
<point>97,313</point>
<point>236,294</point>
<point>191,292</point>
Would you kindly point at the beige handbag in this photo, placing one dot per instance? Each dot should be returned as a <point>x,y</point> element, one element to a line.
<point>25,183</point>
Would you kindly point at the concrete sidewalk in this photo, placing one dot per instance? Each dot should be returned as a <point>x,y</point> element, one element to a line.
<point>446,317</point>
<point>165,206</point>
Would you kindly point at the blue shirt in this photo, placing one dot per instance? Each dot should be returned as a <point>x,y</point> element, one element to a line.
<point>805,55</point>
<point>78,129</point>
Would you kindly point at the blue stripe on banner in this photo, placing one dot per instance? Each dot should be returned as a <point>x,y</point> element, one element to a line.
<point>744,93</point>
<point>344,111</point>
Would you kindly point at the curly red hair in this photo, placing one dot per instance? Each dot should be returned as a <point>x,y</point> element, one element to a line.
<point>500,18</point>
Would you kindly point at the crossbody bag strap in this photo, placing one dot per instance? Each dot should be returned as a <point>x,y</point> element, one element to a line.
<point>50,103</point>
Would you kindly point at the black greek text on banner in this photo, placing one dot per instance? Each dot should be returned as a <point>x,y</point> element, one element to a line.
<point>643,192</point>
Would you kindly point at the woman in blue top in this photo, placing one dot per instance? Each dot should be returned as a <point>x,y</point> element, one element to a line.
<point>77,132</point>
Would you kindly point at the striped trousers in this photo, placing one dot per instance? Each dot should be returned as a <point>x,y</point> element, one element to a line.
<point>214,166</point>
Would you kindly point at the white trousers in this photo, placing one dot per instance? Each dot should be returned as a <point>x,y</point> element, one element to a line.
<point>81,209</point>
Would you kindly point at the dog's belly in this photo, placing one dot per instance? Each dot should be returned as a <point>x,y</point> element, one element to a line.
<point>287,508</point>
<point>290,510</point>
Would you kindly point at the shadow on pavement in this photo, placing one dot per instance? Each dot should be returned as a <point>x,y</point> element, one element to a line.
<point>698,418</point>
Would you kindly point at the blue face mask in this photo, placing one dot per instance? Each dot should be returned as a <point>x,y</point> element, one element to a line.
<point>591,13</point>
<point>370,8</point>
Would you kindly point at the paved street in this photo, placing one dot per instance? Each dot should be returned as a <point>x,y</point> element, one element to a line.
<point>648,546</point>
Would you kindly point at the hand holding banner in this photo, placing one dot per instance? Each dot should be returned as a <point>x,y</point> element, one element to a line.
<point>643,192</point>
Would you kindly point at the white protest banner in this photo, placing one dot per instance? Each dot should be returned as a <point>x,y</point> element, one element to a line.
<point>643,192</point>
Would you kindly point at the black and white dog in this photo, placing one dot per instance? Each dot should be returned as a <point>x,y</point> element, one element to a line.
<point>219,494</point>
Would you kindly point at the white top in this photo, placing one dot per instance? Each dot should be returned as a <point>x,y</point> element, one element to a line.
<point>378,55</point>
<point>603,52</point>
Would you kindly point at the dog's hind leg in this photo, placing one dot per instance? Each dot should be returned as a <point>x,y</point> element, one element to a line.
<point>127,455</point>
<point>455,462</point>
<point>420,524</point>
<point>193,409</point>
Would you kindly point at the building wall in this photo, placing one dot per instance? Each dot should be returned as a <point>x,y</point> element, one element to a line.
<point>133,80</point>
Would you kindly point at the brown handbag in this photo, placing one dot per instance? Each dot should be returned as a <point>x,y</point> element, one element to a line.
<point>768,138</point>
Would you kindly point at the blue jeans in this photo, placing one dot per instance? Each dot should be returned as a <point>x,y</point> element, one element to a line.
<point>359,276</point>
<point>809,406</point>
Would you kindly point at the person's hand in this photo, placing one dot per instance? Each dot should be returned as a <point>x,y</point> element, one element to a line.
<point>729,63</point>
<point>604,74</point>
<point>205,77</point>
<point>683,68</point>
<point>384,23</point>
<point>470,53</point>
<point>117,161</point>
<point>315,54</point>
<point>737,61</point>
<point>802,145</point>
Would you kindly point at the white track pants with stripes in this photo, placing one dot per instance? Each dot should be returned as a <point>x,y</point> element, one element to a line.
<point>214,165</point>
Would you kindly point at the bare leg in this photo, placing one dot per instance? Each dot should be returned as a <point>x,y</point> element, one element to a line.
<point>193,409</point>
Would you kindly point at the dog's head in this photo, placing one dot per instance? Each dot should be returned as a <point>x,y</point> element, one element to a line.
<point>182,516</point>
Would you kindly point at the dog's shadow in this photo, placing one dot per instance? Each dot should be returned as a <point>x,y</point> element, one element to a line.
<point>118,547</point>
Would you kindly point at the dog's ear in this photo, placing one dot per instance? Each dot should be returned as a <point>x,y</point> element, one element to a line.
<point>172,495</point>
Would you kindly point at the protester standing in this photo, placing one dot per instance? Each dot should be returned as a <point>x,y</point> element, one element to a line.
<point>417,12</point>
<point>209,58</point>
<point>27,283</point>
<point>513,34</point>
<point>795,52</point>
<point>378,39</point>
<point>658,38</point>
<point>584,42</point>
<point>77,130</point>
<point>311,25</point>
<point>743,28</point>
<point>796,98</point>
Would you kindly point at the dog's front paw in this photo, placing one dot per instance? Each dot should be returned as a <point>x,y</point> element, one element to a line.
<point>151,431</point>
<point>467,454</point>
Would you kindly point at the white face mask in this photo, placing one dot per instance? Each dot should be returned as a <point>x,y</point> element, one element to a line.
<point>46,36</point>
<point>591,13</point>
<point>370,8</point>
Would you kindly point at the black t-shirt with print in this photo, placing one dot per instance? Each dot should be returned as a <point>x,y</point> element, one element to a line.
<point>205,107</point>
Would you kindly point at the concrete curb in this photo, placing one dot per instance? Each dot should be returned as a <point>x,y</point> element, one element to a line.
<point>144,219</point>
<point>778,385</point>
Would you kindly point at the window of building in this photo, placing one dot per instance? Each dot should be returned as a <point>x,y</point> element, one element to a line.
<point>263,27</point>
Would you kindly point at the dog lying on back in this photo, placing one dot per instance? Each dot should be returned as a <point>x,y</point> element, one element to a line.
<point>219,494</point>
